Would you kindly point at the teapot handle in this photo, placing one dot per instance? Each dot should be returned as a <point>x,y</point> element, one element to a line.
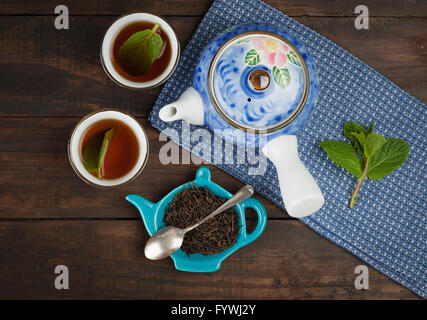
<point>300,192</point>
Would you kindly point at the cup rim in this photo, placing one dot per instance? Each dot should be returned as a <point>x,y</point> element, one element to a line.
<point>162,79</point>
<point>91,181</point>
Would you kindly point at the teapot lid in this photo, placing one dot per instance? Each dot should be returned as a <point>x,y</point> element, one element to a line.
<point>257,81</point>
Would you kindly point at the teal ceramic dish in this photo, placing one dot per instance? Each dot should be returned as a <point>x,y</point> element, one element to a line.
<point>152,215</point>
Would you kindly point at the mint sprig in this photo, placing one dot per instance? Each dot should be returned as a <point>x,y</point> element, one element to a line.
<point>370,154</point>
<point>139,52</point>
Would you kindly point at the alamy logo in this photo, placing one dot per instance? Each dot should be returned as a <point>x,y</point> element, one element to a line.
<point>62,280</point>
<point>362,280</point>
<point>362,20</point>
<point>61,21</point>
<point>211,147</point>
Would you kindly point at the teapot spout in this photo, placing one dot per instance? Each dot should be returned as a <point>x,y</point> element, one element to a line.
<point>188,107</point>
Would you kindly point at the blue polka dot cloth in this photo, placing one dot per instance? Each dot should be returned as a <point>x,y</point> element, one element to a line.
<point>387,227</point>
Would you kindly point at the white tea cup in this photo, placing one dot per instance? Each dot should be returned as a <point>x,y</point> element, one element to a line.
<point>75,152</point>
<point>108,44</point>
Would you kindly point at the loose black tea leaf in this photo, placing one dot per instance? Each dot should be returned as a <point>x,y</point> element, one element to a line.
<point>215,235</point>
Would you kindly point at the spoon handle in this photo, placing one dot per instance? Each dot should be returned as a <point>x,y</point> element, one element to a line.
<point>243,194</point>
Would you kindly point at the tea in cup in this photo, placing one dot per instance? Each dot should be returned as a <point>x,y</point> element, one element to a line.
<point>140,51</point>
<point>108,148</point>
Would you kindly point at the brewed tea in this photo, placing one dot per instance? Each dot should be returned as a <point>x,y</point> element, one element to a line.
<point>123,150</point>
<point>158,66</point>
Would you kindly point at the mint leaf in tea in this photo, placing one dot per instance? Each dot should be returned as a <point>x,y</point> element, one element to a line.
<point>108,136</point>
<point>138,53</point>
<point>91,151</point>
<point>110,149</point>
<point>141,51</point>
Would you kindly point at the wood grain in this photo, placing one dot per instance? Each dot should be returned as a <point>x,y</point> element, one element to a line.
<point>48,216</point>
<point>106,260</point>
<point>336,8</point>
<point>46,72</point>
<point>38,182</point>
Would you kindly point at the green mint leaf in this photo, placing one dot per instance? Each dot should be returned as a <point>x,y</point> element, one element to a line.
<point>348,130</point>
<point>380,156</point>
<point>374,142</point>
<point>351,127</point>
<point>103,150</point>
<point>361,139</point>
<point>281,76</point>
<point>91,151</point>
<point>388,158</point>
<point>344,155</point>
<point>252,57</point>
<point>370,129</point>
<point>138,53</point>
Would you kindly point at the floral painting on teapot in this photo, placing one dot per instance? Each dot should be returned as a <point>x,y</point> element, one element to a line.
<point>273,53</point>
<point>259,81</point>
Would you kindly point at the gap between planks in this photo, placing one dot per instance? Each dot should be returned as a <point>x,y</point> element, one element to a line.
<point>201,16</point>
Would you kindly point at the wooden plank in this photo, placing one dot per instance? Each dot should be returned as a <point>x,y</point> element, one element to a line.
<point>106,260</point>
<point>46,72</point>
<point>37,180</point>
<point>413,8</point>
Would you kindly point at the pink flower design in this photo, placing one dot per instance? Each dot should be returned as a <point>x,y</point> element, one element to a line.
<point>271,51</point>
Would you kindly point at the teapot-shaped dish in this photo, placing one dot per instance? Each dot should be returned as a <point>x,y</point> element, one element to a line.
<point>152,215</point>
<point>256,85</point>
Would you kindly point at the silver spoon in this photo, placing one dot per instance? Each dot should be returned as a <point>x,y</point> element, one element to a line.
<point>167,240</point>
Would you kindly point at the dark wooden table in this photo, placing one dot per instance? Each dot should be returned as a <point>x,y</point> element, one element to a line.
<point>50,78</point>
